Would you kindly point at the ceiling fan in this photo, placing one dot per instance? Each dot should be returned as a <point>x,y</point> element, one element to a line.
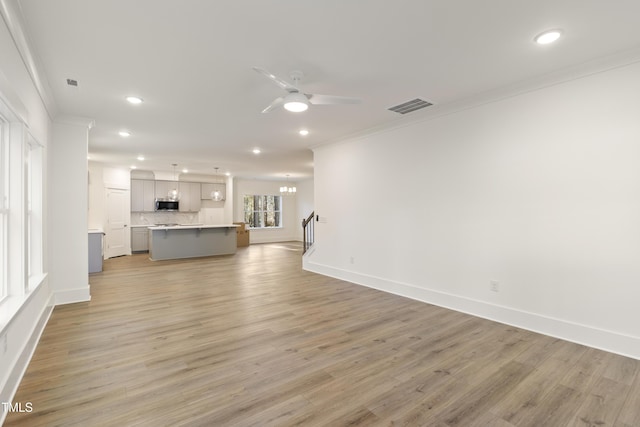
<point>296,100</point>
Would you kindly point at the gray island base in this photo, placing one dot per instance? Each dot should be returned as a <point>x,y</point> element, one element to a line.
<point>191,241</point>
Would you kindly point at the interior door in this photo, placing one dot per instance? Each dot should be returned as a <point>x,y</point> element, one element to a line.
<point>117,234</point>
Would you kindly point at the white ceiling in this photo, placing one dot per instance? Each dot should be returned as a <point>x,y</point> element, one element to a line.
<point>191,63</point>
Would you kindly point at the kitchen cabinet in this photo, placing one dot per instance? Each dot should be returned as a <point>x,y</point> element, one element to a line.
<point>163,187</point>
<point>189,196</point>
<point>143,194</point>
<point>139,239</point>
<point>191,241</point>
<point>207,188</point>
<point>96,252</point>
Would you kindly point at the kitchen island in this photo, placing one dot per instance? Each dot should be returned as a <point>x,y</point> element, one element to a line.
<point>191,241</point>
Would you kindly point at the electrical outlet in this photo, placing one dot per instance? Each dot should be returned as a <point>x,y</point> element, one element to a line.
<point>494,286</point>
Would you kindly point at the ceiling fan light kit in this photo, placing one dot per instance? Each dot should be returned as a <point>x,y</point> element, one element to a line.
<point>296,103</point>
<point>296,100</point>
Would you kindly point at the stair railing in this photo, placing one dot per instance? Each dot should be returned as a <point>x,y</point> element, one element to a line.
<point>307,233</point>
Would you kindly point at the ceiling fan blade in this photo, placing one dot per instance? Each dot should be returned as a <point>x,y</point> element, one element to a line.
<point>282,84</point>
<point>331,99</point>
<point>275,104</point>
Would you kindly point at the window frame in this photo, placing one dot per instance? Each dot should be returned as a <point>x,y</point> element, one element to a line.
<point>4,211</point>
<point>22,175</point>
<point>263,211</point>
<point>34,186</point>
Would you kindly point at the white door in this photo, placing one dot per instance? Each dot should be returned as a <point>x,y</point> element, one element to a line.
<point>117,233</point>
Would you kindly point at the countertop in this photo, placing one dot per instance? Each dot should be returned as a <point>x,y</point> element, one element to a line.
<point>187,226</point>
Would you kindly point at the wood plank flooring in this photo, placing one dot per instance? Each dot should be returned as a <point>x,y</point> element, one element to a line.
<point>253,340</point>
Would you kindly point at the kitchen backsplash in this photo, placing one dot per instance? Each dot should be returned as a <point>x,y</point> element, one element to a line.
<point>150,218</point>
<point>209,216</point>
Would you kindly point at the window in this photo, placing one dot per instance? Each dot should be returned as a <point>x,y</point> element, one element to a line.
<point>263,211</point>
<point>33,164</point>
<point>21,216</point>
<point>4,211</point>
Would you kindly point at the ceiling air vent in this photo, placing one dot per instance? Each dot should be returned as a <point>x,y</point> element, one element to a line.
<point>409,106</point>
<point>72,82</point>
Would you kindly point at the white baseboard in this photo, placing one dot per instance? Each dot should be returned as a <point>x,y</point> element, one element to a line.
<point>270,239</point>
<point>610,341</point>
<point>70,296</point>
<point>47,301</point>
<point>20,367</point>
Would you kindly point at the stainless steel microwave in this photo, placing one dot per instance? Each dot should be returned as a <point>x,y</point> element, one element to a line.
<point>167,205</point>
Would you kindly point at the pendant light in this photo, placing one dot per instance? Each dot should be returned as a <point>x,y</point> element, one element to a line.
<point>286,190</point>
<point>173,193</point>
<point>216,195</point>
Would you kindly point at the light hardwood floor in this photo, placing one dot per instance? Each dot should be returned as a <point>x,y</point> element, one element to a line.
<point>253,340</point>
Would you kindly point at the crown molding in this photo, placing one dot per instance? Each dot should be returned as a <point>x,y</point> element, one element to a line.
<point>80,121</point>
<point>11,107</point>
<point>565,75</point>
<point>12,16</point>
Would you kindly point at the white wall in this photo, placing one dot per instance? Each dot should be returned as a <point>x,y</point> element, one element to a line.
<point>540,192</point>
<point>96,216</point>
<point>289,230</point>
<point>119,178</point>
<point>68,214</point>
<point>214,213</point>
<point>17,91</point>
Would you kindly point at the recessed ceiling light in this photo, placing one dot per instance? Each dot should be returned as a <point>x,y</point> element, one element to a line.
<point>134,99</point>
<point>304,132</point>
<point>133,166</point>
<point>548,36</point>
<point>256,151</point>
<point>141,158</point>
<point>124,133</point>
<point>228,174</point>
<point>185,170</point>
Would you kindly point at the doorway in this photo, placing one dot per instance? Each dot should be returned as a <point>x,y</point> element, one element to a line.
<point>117,240</point>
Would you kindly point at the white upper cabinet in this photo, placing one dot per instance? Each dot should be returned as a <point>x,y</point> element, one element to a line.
<point>189,196</point>
<point>143,195</point>
<point>145,192</point>
<point>162,188</point>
